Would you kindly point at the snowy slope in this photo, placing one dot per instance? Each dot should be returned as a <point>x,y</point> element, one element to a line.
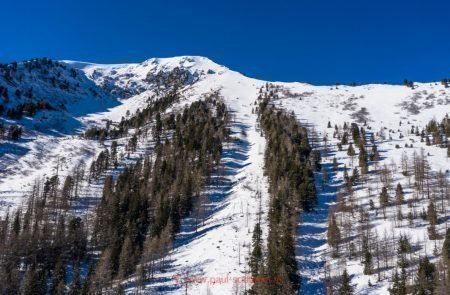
<point>212,257</point>
<point>390,112</point>
<point>215,256</point>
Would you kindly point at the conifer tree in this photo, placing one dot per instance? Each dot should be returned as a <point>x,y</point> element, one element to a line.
<point>399,199</point>
<point>35,282</point>
<point>333,234</point>
<point>59,276</point>
<point>256,255</point>
<point>432,218</point>
<point>384,199</point>
<point>425,280</point>
<point>367,258</point>
<point>375,155</point>
<point>335,164</point>
<point>355,176</point>
<point>345,288</point>
<point>75,286</point>
<point>446,247</point>
<point>399,284</point>
<point>126,259</point>
<point>363,159</point>
<point>351,150</point>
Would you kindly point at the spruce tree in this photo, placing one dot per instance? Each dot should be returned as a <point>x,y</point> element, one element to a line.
<point>355,176</point>
<point>35,282</point>
<point>425,280</point>
<point>75,286</point>
<point>345,288</point>
<point>399,195</point>
<point>126,259</point>
<point>384,199</point>
<point>367,258</point>
<point>333,235</point>
<point>432,218</point>
<point>363,159</point>
<point>351,150</point>
<point>398,286</point>
<point>446,247</point>
<point>375,155</point>
<point>59,276</point>
<point>256,255</point>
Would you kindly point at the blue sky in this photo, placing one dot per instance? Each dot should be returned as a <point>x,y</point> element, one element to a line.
<point>316,41</point>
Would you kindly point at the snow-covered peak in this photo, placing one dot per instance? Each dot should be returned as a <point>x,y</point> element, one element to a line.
<point>126,80</point>
<point>140,70</point>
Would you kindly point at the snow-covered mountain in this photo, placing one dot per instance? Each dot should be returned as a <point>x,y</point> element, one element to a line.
<point>80,95</point>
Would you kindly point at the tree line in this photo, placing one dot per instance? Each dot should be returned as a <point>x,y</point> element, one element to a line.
<point>289,163</point>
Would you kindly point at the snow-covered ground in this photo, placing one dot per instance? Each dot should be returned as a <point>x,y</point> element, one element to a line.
<point>219,248</point>
<point>390,112</point>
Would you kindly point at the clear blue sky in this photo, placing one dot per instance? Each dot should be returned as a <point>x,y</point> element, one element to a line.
<point>315,41</point>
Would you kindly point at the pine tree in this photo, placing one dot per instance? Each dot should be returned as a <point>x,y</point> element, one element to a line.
<point>59,276</point>
<point>103,272</point>
<point>446,247</point>
<point>355,176</point>
<point>88,282</point>
<point>35,282</point>
<point>141,275</point>
<point>335,164</point>
<point>367,258</point>
<point>256,255</point>
<point>66,193</point>
<point>404,246</point>
<point>375,155</point>
<point>345,288</point>
<point>344,139</point>
<point>157,128</point>
<point>399,284</point>
<point>333,234</point>
<point>399,199</point>
<point>363,159</point>
<point>356,134</point>
<point>126,259</point>
<point>384,197</point>
<point>75,286</point>
<point>287,256</point>
<point>119,290</point>
<point>432,218</point>
<point>351,150</point>
<point>425,280</point>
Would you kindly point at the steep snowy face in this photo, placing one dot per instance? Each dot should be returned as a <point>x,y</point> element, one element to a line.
<point>42,94</point>
<point>45,80</point>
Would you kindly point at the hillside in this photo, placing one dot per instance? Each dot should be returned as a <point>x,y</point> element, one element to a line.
<point>181,144</point>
